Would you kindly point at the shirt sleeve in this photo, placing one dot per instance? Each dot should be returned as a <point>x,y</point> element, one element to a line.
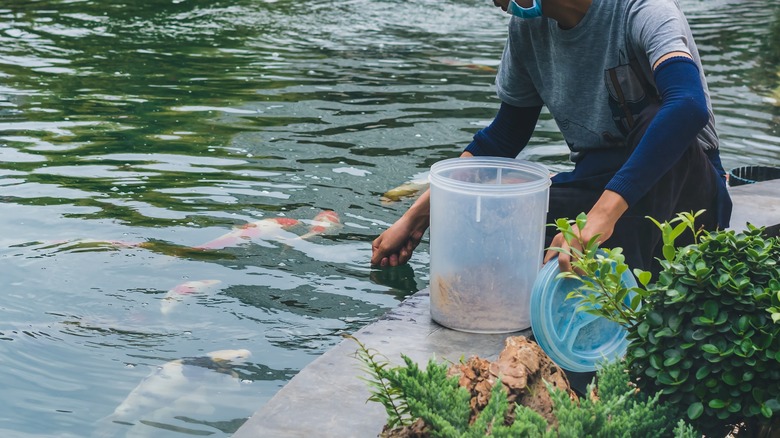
<point>513,82</point>
<point>508,134</point>
<point>683,113</point>
<point>658,28</point>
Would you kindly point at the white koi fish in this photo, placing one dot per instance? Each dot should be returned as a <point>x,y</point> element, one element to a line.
<point>176,295</point>
<point>174,383</point>
<point>472,65</point>
<point>262,229</point>
<point>326,220</point>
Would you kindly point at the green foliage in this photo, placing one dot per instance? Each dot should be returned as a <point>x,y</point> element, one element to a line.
<point>706,334</point>
<point>432,396</point>
<point>603,293</point>
<point>709,337</point>
<point>620,411</point>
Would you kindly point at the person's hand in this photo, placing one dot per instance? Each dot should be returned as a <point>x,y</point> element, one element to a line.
<point>395,245</point>
<point>601,221</point>
<point>564,258</point>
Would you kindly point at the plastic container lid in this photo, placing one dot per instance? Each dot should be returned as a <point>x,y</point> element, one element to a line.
<point>493,176</point>
<point>575,340</point>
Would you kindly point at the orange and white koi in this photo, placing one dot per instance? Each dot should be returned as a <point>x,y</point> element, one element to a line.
<point>324,221</point>
<point>176,295</point>
<point>264,228</point>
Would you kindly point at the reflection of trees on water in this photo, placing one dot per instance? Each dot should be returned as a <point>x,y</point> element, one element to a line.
<point>771,47</point>
<point>771,57</point>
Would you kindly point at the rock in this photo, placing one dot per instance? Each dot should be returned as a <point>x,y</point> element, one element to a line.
<point>523,368</point>
<point>418,429</point>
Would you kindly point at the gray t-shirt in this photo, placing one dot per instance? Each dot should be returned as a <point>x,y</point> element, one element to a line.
<point>596,77</point>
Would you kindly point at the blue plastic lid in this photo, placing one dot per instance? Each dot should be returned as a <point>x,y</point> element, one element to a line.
<point>576,341</point>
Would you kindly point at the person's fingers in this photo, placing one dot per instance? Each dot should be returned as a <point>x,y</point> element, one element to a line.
<point>376,254</point>
<point>404,255</point>
<point>564,262</point>
<point>564,259</point>
<point>411,244</point>
<point>557,242</point>
<point>408,248</point>
<point>393,260</point>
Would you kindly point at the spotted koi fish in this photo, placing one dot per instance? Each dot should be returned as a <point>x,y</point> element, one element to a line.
<point>325,221</point>
<point>262,229</point>
<point>179,293</point>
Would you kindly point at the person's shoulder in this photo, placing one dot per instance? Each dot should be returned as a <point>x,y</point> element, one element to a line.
<point>650,5</point>
<point>643,3</point>
<point>651,11</point>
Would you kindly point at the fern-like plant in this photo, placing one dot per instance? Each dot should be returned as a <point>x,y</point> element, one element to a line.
<point>382,391</point>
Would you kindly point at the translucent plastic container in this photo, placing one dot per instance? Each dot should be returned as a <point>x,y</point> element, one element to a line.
<point>486,241</point>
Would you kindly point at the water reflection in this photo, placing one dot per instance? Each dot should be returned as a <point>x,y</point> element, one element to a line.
<point>132,133</point>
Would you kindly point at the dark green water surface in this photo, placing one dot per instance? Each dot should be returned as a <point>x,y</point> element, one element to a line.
<point>131,131</point>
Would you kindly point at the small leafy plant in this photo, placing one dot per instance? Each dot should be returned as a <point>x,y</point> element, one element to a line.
<point>603,292</point>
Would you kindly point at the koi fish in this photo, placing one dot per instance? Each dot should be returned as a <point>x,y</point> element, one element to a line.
<point>176,295</point>
<point>263,228</point>
<point>468,65</point>
<point>88,244</point>
<point>324,221</point>
<point>408,189</point>
<point>775,96</point>
<point>175,383</point>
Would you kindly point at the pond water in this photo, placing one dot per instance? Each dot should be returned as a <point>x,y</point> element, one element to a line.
<point>133,132</point>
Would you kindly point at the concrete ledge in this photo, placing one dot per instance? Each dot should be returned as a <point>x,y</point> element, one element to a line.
<point>758,204</point>
<point>328,399</point>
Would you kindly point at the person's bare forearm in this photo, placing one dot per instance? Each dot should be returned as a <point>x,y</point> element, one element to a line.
<point>422,206</point>
<point>605,214</point>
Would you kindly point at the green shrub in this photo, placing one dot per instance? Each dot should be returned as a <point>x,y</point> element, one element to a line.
<point>621,410</point>
<point>709,336</point>
<point>706,334</point>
